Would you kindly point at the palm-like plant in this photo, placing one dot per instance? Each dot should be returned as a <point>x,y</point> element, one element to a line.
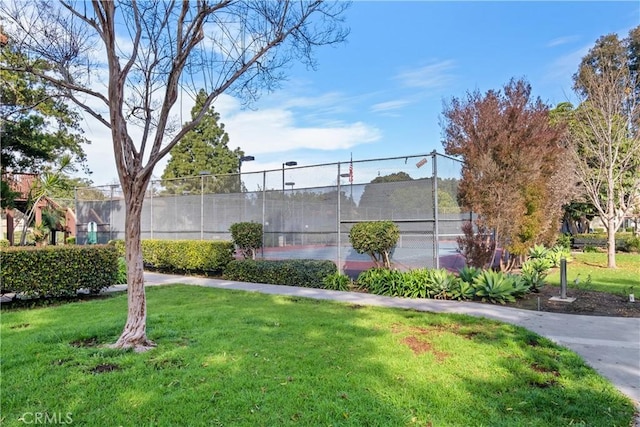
<point>42,187</point>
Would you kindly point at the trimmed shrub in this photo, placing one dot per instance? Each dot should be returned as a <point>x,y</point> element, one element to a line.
<point>4,243</point>
<point>54,271</point>
<point>631,244</point>
<point>183,255</point>
<point>247,236</point>
<point>122,271</point>
<point>295,272</point>
<point>71,240</point>
<point>119,245</point>
<point>376,239</point>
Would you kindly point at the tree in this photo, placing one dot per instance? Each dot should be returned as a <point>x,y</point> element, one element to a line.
<point>37,128</point>
<point>152,51</point>
<point>204,149</point>
<point>45,184</point>
<point>376,239</point>
<point>514,173</point>
<point>603,130</point>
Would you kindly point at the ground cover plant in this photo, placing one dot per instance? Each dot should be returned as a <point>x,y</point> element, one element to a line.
<point>589,271</point>
<point>245,359</point>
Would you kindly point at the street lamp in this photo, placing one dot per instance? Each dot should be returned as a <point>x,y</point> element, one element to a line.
<point>290,163</point>
<point>243,159</point>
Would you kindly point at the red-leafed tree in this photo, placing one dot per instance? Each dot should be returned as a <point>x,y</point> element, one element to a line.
<point>515,173</point>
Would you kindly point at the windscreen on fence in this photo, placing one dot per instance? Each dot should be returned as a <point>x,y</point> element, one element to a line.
<point>306,211</point>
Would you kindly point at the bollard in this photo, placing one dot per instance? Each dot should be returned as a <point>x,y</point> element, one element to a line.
<point>563,278</point>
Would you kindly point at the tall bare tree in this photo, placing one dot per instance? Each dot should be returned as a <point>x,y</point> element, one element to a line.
<point>603,136</point>
<point>125,63</point>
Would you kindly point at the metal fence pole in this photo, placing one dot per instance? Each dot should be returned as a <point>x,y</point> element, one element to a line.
<point>264,208</point>
<point>76,206</point>
<point>338,263</point>
<point>202,207</point>
<point>111,213</point>
<point>151,212</point>
<point>436,230</point>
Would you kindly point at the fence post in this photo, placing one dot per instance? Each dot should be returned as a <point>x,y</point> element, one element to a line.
<point>264,207</point>
<point>201,206</point>
<point>338,263</point>
<point>76,205</point>
<point>436,219</point>
<point>151,212</point>
<point>110,214</point>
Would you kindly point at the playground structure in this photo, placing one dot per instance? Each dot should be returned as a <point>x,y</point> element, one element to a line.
<point>306,211</point>
<point>22,184</point>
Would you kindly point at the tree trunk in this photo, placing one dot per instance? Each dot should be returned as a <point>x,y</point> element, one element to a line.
<point>611,242</point>
<point>134,334</point>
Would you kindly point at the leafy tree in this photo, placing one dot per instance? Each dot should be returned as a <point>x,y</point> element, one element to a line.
<point>515,171</point>
<point>405,197</point>
<point>376,239</point>
<point>247,236</point>
<point>603,130</point>
<point>146,53</point>
<point>41,188</point>
<point>205,148</point>
<point>37,127</point>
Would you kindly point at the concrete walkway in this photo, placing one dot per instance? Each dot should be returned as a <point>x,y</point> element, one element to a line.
<point>611,345</point>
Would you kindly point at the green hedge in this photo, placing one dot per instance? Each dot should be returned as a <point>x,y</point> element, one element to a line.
<point>55,271</point>
<point>296,272</point>
<point>183,255</point>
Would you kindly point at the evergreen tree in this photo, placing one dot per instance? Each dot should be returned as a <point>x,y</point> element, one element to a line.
<point>204,149</point>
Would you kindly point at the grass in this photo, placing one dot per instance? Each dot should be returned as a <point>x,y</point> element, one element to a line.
<point>623,280</point>
<point>247,359</point>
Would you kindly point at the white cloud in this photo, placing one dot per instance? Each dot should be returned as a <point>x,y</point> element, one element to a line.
<point>275,130</point>
<point>432,76</point>
<point>268,130</point>
<point>562,40</point>
<point>389,106</point>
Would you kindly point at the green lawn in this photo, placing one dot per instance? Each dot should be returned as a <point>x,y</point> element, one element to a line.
<point>623,280</point>
<point>246,359</point>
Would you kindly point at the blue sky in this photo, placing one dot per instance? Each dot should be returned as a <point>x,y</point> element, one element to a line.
<point>381,93</point>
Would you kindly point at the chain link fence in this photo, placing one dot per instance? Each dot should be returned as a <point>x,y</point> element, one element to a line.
<point>306,211</point>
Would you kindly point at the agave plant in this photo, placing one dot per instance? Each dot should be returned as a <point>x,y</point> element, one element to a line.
<point>468,273</point>
<point>441,281</point>
<point>494,286</point>
<point>521,286</point>
<point>541,265</point>
<point>462,290</point>
<point>556,253</point>
<point>538,251</point>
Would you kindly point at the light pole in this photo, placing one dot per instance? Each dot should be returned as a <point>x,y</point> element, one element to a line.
<point>289,163</point>
<point>242,159</point>
<point>283,165</point>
